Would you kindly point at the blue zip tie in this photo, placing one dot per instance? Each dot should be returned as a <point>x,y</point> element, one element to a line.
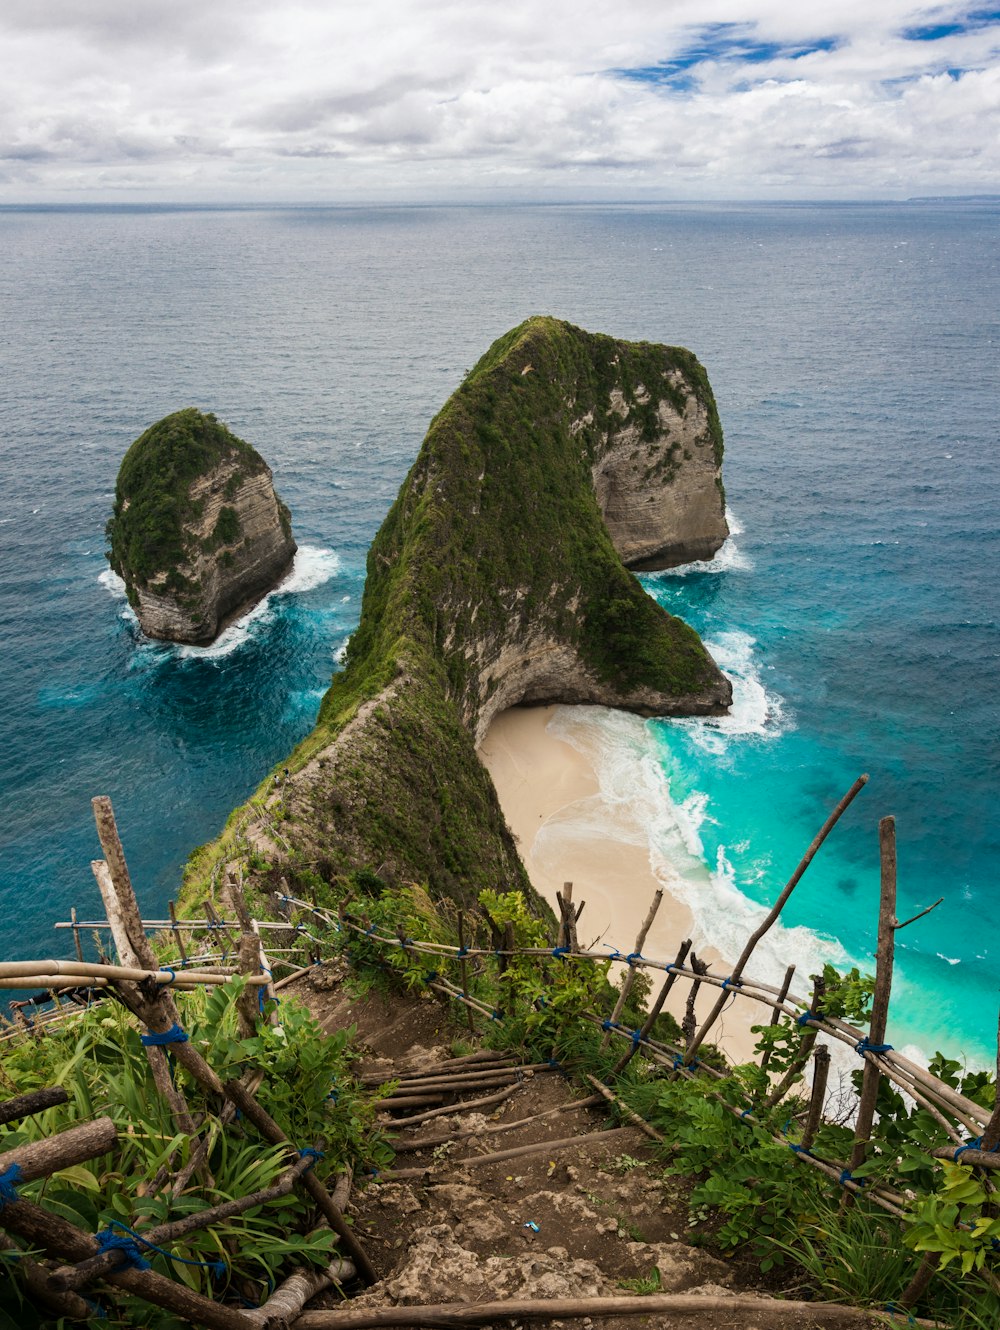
<point>175,1035</point>
<point>314,1155</point>
<point>8,1182</point>
<point>172,979</point>
<point>865,1045</point>
<point>559,952</point>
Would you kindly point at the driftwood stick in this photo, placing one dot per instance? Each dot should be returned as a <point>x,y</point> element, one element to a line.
<point>689,1023</point>
<point>412,1101</point>
<point>821,1072</point>
<point>657,1305</point>
<point>656,1008</point>
<point>178,935</point>
<point>270,1130</point>
<point>288,1299</point>
<point>624,1109</point>
<point>629,978</point>
<point>496,1062</point>
<point>450,1109</point>
<point>457,1084</point>
<point>773,914</point>
<point>60,1239</point>
<point>976,1158</point>
<point>23,1105</point>
<point>39,1159</point>
<point>540,1147</point>
<point>96,1266</point>
<point>884,955</point>
<point>786,984</point>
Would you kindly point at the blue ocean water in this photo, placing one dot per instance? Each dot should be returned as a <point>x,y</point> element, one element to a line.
<point>853,350</point>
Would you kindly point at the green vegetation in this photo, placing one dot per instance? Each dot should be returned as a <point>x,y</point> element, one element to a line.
<point>152,502</point>
<point>496,539</point>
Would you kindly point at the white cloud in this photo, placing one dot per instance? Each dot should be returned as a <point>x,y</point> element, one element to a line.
<point>714,98</point>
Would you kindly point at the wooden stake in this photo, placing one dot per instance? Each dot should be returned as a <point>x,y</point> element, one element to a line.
<point>178,935</point>
<point>786,984</point>
<point>884,955</point>
<point>773,914</point>
<point>629,979</point>
<point>463,965</point>
<point>821,1071</point>
<point>655,1009</point>
<point>76,934</point>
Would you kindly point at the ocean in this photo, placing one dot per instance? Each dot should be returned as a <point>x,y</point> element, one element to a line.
<point>853,350</point>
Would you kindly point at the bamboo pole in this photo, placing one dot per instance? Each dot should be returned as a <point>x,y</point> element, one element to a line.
<point>607,1093</point>
<point>178,935</point>
<point>40,1159</point>
<point>81,970</point>
<point>629,978</point>
<point>658,1305</point>
<point>95,1267</point>
<point>884,955</point>
<point>60,1239</point>
<point>773,914</point>
<point>24,1105</point>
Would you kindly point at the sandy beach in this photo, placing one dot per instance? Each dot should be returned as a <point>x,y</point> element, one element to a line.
<point>552,802</point>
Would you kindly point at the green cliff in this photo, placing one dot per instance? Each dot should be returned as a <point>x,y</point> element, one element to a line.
<point>495,580</point>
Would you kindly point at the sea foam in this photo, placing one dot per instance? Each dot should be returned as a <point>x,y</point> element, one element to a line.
<point>730,557</point>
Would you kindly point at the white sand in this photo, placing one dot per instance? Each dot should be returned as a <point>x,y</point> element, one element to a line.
<point>542,781</point>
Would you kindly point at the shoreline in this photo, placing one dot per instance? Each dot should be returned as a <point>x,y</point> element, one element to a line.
<point>551,798</point>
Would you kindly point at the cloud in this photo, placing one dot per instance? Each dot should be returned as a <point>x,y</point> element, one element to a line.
<point>701,98</point>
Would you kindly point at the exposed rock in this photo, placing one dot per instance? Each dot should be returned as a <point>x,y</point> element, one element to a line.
<point>198,533</point>
<point>497,578</point>
<point>681,1267</point>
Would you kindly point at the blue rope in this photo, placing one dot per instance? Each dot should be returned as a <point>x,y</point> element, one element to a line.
<point>108,1240</point>
<point>847,1176</point>
<point>8,1181</point>
<point>462,951</point>
<point>679,1063</point>
<point>560,951</point>
<point>609,1025</point>
<point>310,1153</point>
<point>731,983</point>
<point>175,1035</point>
<point>799,1149</point>
<point>495,1016</point>
<point>430,976</point>
<point>634,956</point>
<point>806,1017</point>
<point>172,979</point>
<point>865,1045</point>
<point>747,1113</point>
<point>635,1036</point>
<point>975,1143</point>
<point>615,953</point>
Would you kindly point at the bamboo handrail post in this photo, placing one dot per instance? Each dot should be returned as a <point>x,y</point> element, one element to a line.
<point>76,934</point>
<point>772,915</point>
<point>821,1071</point>
<point>884,955</point>
<point>656,1008</point>
<point>178,935</point>
<point>629,978</point>
<point>463,966</point>
<point>689,1023</point>
<point>809,1035</point>
<point>786,984</point>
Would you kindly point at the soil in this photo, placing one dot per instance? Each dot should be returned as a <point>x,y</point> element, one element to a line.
<point>580,1219</point>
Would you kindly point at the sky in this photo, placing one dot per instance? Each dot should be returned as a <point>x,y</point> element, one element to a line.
<point>438,100</point>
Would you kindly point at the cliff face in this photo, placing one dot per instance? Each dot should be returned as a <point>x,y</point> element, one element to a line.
<point>198,533</point>
<point>494,580</point>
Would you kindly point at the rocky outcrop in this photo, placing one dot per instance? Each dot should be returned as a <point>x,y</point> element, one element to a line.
<point>198,533</point>
<point>660,490</point>
<point>497,578</point>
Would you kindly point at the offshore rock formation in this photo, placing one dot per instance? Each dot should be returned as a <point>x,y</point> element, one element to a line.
<point>198,534</point>
<point>495,579</point>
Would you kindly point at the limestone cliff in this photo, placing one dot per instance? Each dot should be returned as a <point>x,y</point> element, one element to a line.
<point>198,533</point>
<point>495,580</point>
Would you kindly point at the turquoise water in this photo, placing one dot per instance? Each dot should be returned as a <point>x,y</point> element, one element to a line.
<point>853,351</point>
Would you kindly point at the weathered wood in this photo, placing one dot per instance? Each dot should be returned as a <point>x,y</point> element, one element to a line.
<point>164,1234</point>
<point>656,1008</point>
<point>76,972</point>
<point>458,1084</point>
<point>288,1299</point>
<point>178,935</point>
<point>821,1071</point>
<point>806,1043</point>
<point>629,979</point>
<point>23,1105</point>
<point>796,1314</point>
<point>35,1278</point>
<point>78,945</point>
<point>624,1109</point>
<point>496,1062</point>
<point>60,1239</point>
<point>411,1101</point>
<point>40,1159</point>
<point>429,1142</point>
<point>772,915</point>
<point>689,1024</point>
<point>884,956</point>
<point>786,984</point>
<point>540,1147</point>
<point>269,1129</point>
<point>457,1108</point>
<point>463,966</point>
